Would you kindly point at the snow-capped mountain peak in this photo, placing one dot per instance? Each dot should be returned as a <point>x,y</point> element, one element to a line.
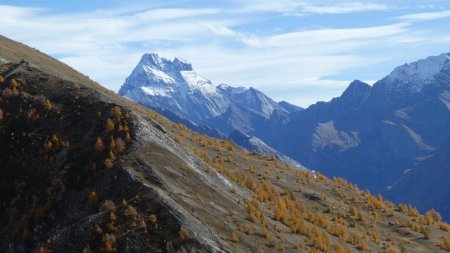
<point>417,74</point>
<point>182,64</point>
<point>154,60</point>
<point>173,84</point>
<point>164,73</point>
<point>176,86</point>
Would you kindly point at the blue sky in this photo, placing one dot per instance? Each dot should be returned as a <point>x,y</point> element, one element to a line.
<point>295,50</point>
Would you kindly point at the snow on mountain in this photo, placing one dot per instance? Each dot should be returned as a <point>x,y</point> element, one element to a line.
<point>158,75</point>
<point>174,85</point>
<point>416,75</point>
<point>195,81</point>
<point>160,72</point>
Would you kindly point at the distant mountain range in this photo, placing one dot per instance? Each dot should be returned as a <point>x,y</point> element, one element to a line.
<point>392,137</point>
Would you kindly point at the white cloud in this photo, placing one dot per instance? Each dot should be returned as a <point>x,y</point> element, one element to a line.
<point>426,16</point>
<point>310,37</point>
<point>221,30</point>
<point>294,7</point>
<point>173,13</point>
<point>9,11</point>
<point>335,35</point>
<point>343,8</point>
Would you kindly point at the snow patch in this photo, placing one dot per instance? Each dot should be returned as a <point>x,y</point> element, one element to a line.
<point>418,73</point>
<point>154,91</point>
<point>158,75</point>
<point>197,82</point>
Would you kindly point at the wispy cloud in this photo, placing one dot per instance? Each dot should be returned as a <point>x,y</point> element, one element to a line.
<point>310,7</point>
<point>13,12</point>
<point>175,13</point>
<point>314,38</point>
<point>342,8</point>
<point>426,16</point>
<point>248,40</point>
<point>334,35</point>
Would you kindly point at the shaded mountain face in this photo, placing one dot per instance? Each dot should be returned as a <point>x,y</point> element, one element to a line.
<point>84,170</point>
<point>290,107</point>
<point>379,136</point>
